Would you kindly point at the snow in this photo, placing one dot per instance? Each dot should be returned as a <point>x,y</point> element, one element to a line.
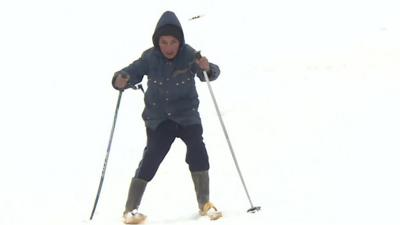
<point>309,93</point>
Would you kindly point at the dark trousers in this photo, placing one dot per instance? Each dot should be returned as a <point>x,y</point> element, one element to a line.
<point>159,142</point>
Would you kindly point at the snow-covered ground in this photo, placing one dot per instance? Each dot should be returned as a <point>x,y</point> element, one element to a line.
<point>309,92</point>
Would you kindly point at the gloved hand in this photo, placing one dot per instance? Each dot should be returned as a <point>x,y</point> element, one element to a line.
<point>203,63</point>
<point>120,81</point>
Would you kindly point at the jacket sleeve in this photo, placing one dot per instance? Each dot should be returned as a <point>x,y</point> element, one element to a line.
<point>135,71</point>
<point>212,74</point>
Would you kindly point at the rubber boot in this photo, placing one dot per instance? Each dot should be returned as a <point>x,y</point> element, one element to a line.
<point>201,183</point>
<point>135,194</point>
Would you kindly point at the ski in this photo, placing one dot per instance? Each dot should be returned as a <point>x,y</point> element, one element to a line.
<point>211,211</point>
<point>142,219</point>
<point>214,215</point>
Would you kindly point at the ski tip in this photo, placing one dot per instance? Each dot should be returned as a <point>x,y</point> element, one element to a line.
<point>215,215</point>
<point>254,209</point>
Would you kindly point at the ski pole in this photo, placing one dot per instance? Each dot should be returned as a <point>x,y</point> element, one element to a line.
<point>136,87</point>
<point>253,208</point>
<point>107,155</point>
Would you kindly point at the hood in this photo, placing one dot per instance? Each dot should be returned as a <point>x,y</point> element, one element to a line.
<point>167,18</point>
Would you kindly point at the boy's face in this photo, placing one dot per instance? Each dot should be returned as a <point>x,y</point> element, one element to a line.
<point>169,46</point>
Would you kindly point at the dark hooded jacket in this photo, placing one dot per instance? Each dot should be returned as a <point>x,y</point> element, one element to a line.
<point>171,92</point>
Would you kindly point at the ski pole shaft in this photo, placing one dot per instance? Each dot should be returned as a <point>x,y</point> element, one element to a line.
<point>252,209</point>
<point>107,155</point>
